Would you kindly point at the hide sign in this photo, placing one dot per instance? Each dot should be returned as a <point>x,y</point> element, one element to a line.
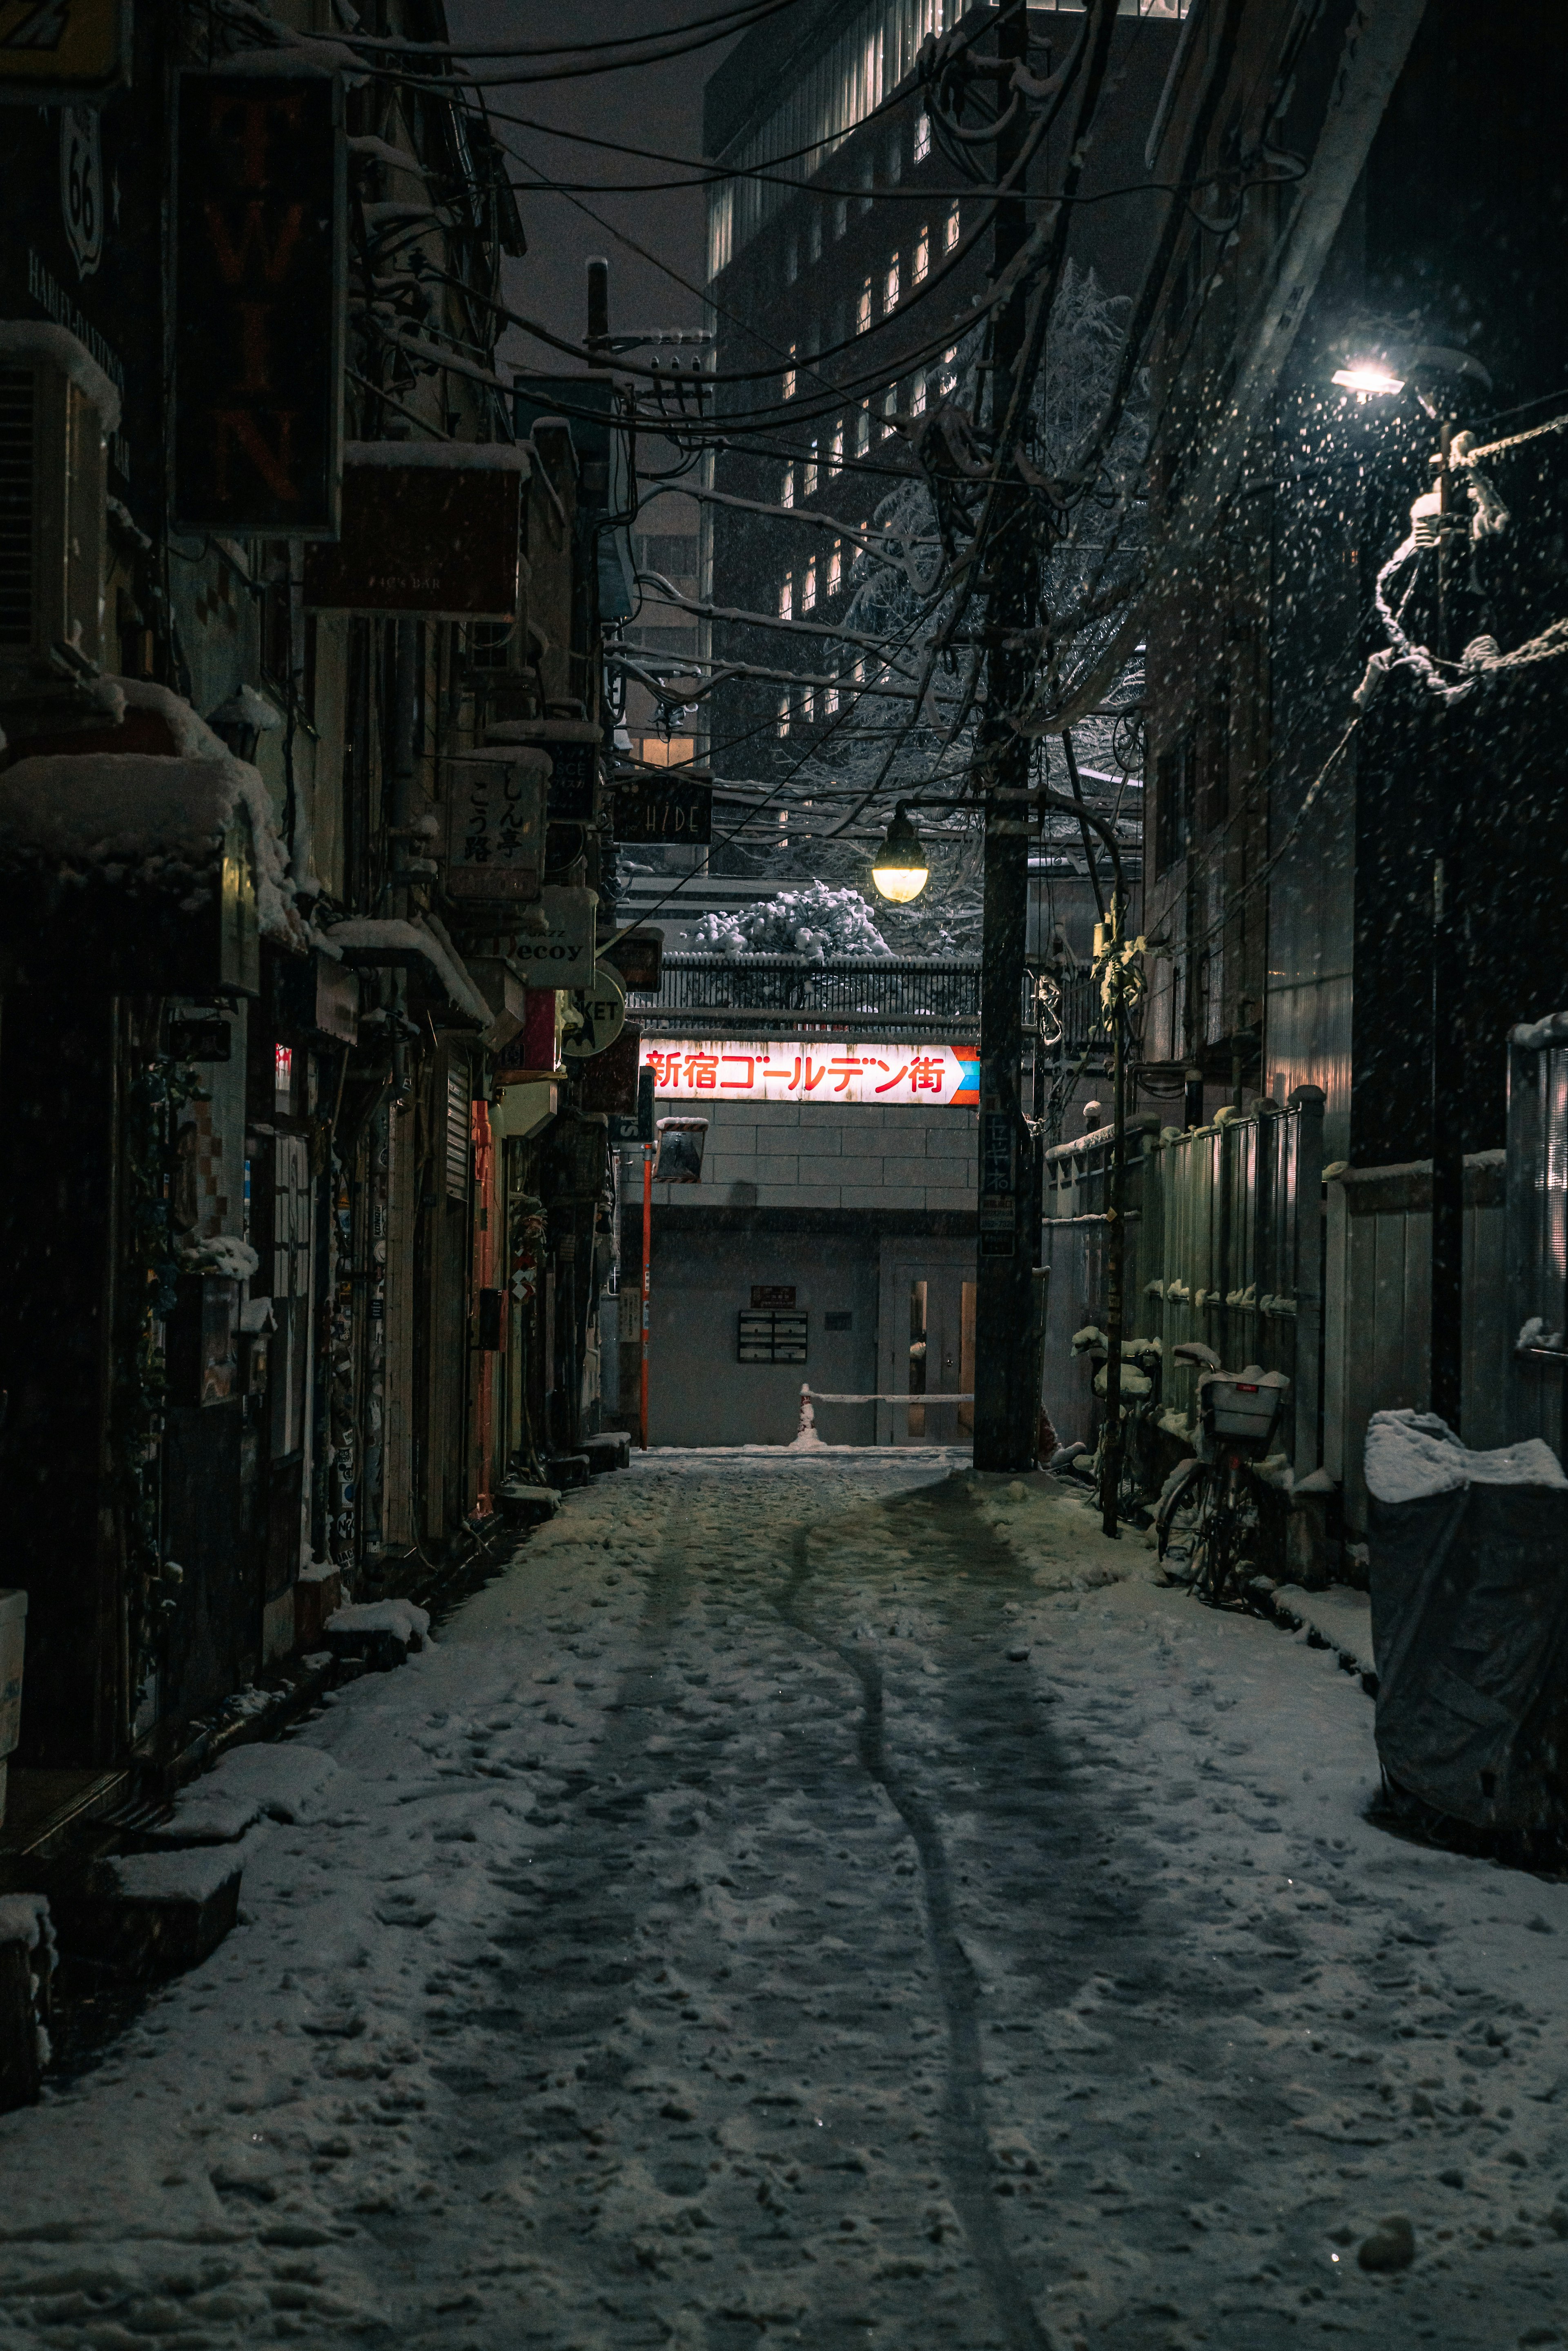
<point>665,808</point>
<point>496,825</point>
<point>259,216</point>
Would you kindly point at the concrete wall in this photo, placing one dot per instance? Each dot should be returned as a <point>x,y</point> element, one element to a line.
<point>829,1155</point>
<point>698,1393</point>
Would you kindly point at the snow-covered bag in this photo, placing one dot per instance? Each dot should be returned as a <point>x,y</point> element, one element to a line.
<point>1470,1620</point>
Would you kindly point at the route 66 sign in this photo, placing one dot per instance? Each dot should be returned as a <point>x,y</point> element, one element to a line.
<point>81,185</point>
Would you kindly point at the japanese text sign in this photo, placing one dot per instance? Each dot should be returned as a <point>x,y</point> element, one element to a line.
<point>818,1070</point>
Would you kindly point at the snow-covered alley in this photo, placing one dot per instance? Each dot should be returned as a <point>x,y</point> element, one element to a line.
<point>832,1901</point>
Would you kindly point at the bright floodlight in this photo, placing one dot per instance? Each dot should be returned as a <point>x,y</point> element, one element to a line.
<point>899,868</point>
<point>1367,377</point>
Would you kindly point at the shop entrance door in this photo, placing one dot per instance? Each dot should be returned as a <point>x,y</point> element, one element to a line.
<point>927,1341</point>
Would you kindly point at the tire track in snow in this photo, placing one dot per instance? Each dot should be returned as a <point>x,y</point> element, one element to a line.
<point>967,2150</point>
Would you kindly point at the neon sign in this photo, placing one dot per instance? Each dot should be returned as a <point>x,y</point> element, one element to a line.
<point>818,1070</point>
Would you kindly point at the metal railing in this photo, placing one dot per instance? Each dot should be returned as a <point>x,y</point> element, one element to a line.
<point>842,993</point>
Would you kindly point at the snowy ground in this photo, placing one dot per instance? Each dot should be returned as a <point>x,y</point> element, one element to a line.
<point>782,1909</point>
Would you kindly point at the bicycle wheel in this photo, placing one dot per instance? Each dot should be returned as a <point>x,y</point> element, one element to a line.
<point>1215,1548</point>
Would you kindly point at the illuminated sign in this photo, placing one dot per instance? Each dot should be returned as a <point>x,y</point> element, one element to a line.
<point>283,1071</point>
<point>818,1070</point>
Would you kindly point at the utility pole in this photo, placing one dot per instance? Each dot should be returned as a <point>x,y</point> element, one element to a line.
<point>1448,1074</point>
<point>1006,1405</point>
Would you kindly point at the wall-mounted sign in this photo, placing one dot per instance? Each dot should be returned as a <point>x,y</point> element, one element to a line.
<point>81,186</point>
<point>602,1008</point>
<point>432,528</point>
<point>63,52</point>
<point>673,807</point>
<point>574,745</point>
<point>822,1070</point>
<point>259,212</point>
<point>496,825</point>
<point>773,1293</point>
<point>562,954</point>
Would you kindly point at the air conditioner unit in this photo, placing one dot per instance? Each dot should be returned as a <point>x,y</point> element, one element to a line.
<point>56,409</point>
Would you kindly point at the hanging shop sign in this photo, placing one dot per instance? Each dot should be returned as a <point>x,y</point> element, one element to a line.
<point>559,952</point>
<point>818,1070</point>
<point>496,825</point>
<point>602,1009</point>
<point>673,807</point>
<point>63,52</point>
<point>573,745</point>
<point>431,528</point>
<point>259,214</point>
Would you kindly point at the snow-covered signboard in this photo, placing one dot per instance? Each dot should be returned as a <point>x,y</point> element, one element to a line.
<point>818,1069</point>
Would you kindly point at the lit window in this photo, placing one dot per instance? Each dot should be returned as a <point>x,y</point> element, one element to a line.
<point>787,490</point>
<point>863,309</point>
<point>787,598</point>
<point>922,256</point>
<point>862,429</point>
<point>830,701</point>
<point>809,475</point>
<point>950,370</point>
<point>807,711</point>
<point>835,571</point>
<point>836,451</point>
<point>950,234</point>
<point>917,397</point>
<point>783,714</point>
<point>889,409</point>
<point>858,672</point>
<point>792,261</point>
<point>814,236</point>
<point>809,589</point>
<point>789,375</point>
<point>890,285</point>
<point>923,138</point>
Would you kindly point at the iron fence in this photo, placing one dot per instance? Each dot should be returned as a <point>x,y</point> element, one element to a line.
<point>840,992</point>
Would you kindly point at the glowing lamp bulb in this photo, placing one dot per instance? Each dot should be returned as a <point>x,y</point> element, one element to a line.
<point>1369,378</point>
<point>899,868</point>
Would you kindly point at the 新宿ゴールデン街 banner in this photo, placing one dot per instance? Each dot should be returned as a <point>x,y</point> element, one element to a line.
<point>820,1069</point>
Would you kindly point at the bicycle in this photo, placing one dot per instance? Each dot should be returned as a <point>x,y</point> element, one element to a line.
<point>1142,1365</point>
<point>1229,1504</point>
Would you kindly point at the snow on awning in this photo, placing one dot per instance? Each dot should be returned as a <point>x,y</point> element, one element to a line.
<point>366,941</point>
<point>147,821</point>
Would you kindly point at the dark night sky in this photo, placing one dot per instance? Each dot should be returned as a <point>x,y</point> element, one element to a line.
<point>651,106</point>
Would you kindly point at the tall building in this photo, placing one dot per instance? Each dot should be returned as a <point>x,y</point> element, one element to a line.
<point>846,254</point>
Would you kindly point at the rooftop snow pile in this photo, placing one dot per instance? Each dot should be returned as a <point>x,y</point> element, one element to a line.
<point>817,921</point>
<point>151,822</point>
<point>1413,1455</point>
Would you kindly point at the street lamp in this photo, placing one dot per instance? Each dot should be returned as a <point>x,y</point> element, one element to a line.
<point>899,868</point>
<point>1368,378</point>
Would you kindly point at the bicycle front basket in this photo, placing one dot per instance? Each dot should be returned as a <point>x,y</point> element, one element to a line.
<point>1244,1408</point>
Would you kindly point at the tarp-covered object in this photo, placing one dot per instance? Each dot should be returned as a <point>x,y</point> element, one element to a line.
<point>1470,1621</point>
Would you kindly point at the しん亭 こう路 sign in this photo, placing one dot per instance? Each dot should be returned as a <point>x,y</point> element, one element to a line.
<point>818,1070</point>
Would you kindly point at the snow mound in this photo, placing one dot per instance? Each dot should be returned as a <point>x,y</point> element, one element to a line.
<point>1052,1535</point>
<point>248,1784</point>
<point>195,1875</point>
<point>818,922</point>
<point>24,1919</point>
<point>223,1254</point>
<point>1413,1455</point>
<point>404,1617</point>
